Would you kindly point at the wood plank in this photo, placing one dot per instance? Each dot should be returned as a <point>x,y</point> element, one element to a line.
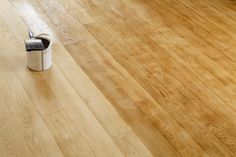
<point>11,143</point>
<point>101,108</point>
<point>69,148</point>
<point>101,141</point>
<point>129,91</point>
<point>25,126</point>
<point>160,134</point>
<point>153,78</point>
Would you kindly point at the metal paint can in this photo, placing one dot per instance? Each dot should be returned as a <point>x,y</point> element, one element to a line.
<point>39,52</point>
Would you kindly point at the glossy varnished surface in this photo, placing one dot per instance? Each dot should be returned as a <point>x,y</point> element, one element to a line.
<point>130,78</point>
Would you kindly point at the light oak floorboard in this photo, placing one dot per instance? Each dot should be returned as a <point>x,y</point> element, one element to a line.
<point>129,78</point>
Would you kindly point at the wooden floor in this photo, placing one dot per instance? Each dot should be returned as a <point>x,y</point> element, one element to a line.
<point>134,78</point>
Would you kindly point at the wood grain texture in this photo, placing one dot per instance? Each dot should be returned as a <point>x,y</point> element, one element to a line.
<point>131,78</point>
